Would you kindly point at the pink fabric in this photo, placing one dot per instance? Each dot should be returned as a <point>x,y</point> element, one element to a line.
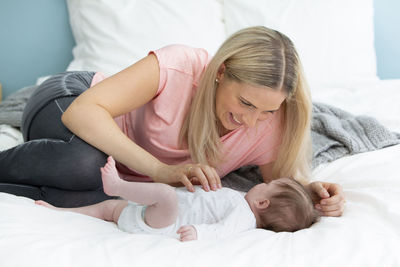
<point>156,125</point>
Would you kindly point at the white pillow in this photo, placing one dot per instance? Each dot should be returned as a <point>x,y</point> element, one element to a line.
<point>335,39</point>
<point>112,34</point>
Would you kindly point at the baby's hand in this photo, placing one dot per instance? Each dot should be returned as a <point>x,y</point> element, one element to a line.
<point>187,233</point>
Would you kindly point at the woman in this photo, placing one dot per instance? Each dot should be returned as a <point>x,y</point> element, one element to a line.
<point>176,117</point>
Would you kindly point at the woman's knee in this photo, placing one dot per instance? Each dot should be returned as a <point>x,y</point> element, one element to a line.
<point>88,167</point>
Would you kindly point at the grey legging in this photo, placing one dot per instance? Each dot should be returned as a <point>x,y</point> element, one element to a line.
<point>53,164</point>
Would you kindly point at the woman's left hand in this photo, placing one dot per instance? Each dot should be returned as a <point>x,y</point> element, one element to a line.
<point>328,198</point>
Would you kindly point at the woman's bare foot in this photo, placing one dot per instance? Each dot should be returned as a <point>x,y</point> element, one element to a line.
<point>110,177</point>
<point>45,204</point>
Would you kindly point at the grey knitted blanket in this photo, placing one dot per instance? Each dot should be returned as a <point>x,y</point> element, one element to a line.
<point>337,133</point>
<point>12,107</point>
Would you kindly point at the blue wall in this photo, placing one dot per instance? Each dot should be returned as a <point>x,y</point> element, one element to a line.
<point>387,38</point>
<point>35,40</point>
<point>24,56</point>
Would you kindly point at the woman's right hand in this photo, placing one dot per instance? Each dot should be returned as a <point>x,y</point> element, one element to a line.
<point>189,175</point>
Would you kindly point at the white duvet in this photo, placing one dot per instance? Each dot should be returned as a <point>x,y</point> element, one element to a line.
<point>368,233</point>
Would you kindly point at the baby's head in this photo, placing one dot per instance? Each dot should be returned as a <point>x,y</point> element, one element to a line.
<point>283,205</point>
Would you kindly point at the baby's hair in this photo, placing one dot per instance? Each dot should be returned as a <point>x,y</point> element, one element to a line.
<point>290,209</point>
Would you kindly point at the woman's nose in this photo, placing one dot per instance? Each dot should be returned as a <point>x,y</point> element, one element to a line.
<point>251,119</point>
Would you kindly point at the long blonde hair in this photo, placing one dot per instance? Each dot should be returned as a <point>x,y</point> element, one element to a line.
<point>260,57</point>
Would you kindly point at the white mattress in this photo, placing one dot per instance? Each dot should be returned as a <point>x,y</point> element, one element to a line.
<point>368,233</point>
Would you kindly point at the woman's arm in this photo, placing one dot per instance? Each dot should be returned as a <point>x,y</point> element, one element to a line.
<point>91,115</point>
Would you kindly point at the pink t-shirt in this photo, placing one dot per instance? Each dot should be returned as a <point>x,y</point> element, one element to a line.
<point>156,125</point>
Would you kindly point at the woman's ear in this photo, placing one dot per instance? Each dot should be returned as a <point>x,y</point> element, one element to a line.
<point>221,71</point>
<point>262,204</point>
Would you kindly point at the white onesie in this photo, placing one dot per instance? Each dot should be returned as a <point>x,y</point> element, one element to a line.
<point>214,214</point>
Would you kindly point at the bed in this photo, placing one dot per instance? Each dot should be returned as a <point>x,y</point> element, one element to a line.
<point>340,64</point>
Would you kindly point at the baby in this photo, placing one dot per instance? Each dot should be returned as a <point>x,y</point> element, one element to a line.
<point>156,208</point>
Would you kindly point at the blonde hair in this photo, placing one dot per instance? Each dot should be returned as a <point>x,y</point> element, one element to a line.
<point>256,56</point>
<point>290,209</point>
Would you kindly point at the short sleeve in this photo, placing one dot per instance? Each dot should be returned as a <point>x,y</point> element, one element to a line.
<point>180,59</point>
<point>98,77</point>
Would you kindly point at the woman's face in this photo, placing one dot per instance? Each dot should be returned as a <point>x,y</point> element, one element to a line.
<point>240,104</point>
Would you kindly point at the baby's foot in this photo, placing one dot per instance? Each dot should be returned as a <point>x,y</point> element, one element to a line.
<point>45,204</point>
<point>110,177</point>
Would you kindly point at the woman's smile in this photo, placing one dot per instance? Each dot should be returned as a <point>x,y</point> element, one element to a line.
<point>234,120</point>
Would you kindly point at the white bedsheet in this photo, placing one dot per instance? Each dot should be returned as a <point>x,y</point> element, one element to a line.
<point>368,233</point>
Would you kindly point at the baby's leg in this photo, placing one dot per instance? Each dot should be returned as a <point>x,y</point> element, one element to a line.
<point>108,210</point>
<point>161,199</point>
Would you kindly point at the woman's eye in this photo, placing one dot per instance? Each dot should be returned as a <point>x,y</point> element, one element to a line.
<point>245,103</point>
<point>268,112</point>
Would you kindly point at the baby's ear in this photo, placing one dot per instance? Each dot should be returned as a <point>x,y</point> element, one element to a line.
<point>262,204</point>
